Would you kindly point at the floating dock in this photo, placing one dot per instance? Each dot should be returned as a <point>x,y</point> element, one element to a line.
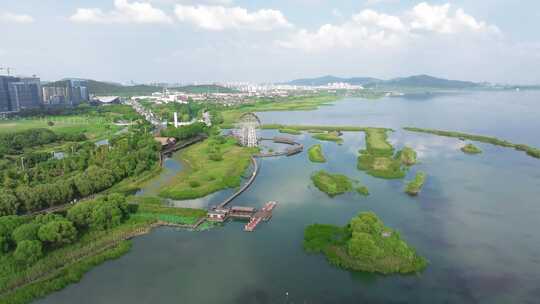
<point>254,216</point>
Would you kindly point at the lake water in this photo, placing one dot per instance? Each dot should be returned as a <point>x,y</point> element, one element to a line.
<point>476,219</point>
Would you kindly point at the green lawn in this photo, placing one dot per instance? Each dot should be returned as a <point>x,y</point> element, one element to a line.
<point>92,127</point>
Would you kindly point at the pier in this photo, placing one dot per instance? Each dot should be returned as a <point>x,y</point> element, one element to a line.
<point>295,149</point>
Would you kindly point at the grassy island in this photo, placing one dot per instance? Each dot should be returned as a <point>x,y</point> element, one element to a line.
<point>471,149</point>
<point>378,158</point>
<point>316,154</point>
<point>531,151</point>
<point>290,131</point>
<point>414,186</point>
<point>336,184</point>
<point>215,164</point>
<point>365,244</point>
<point>331,184</point>
<point>329,136</point>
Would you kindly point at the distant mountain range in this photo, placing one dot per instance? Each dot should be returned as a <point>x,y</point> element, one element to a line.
<point>109,88</point>
<point>417,81</point>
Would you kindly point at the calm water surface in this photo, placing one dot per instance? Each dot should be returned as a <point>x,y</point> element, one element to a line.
<point>476,219</point>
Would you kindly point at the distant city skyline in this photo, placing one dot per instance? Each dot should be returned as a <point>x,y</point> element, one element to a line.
<point>270,41</point>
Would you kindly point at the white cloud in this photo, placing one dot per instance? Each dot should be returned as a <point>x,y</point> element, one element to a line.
<point>124,12</point>
<point>371,29</point>
<point>439,19</point>
<point>383,21</point>
<point>15,18</point>
<point>218,18</point>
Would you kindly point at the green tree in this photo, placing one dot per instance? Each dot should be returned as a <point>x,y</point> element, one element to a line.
<point>28,252</point>
<point>58,232</point>
<point>106,216</point>
<point>26,232</point>
<point>7,225</point>
<point>81,214</point>
<point>9,204</point>
<point>362,246</point>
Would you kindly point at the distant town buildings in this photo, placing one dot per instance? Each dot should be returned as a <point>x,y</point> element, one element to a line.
<point>26,93</point>
<point>18,93</point>
<point>6,103</point>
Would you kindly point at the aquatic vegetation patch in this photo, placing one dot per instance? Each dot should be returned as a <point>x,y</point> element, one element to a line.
<point>531,151</point>
<point>316,155</point>
<point>364,244</point>
<point>414,186</point>
<point>329,136</point>
<point>363,190</point>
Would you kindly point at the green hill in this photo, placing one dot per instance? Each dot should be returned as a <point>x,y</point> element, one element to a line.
<point>108,88</point>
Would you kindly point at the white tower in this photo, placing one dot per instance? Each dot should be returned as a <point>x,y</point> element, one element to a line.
<point>175,120</point>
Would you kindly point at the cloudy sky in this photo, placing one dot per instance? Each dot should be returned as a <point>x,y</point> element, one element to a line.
<point>271,40</point>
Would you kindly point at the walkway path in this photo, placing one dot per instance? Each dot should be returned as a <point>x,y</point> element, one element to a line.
<point>245,186</point>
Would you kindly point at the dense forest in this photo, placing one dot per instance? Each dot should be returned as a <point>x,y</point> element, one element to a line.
<point>86,169</point>
<point>15,143</point>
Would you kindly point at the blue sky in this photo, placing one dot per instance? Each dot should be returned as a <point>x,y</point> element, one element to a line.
<point>271,40</point>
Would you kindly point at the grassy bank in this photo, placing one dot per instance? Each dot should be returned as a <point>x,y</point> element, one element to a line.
<point>531,151</point>
<point>316,128</point>
<point>316,154</point>
<point>301,103</point>
<point>471,149</point>
<point>61,266</point>
<point>210,166</point>
<point>68,275</point>
<point>378,158</point>
<point>365,244</point>
<point>414,186</point>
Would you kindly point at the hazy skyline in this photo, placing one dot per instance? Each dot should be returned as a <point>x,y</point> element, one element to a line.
<point>270,41</point>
